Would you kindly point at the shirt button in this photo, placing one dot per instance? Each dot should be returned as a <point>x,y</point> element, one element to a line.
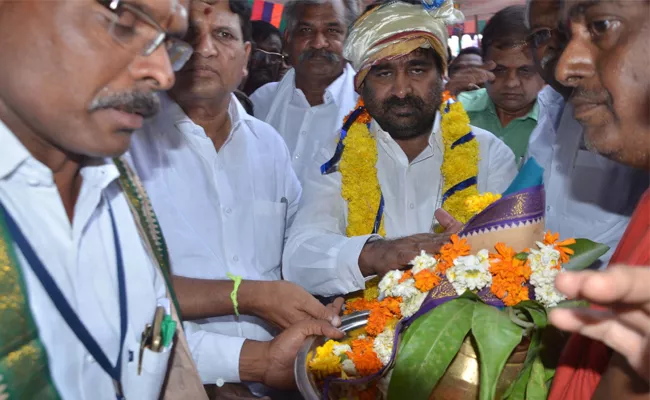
<point>297,156</point>
<point>90,359</point>
<point>548,208</point>
<point>227,210</point>
<point>411,206</point>
<point>33,182</point>
<point>303,132</point>
<point>235,258</point>
<point>558,168</point>
<point>220,382</point>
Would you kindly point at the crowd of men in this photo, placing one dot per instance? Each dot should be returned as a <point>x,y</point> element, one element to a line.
<point>165,224</point>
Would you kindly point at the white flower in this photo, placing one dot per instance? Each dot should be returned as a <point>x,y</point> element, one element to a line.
<point>349,367</point>
<point>361,337</point>
<point>470,272</point>
<point>383,345</point>
<point>340,349</point>
<point>405,290</point>
<point>544,276</point>
<point>548,296</point>
<point>389,281</point>
<point>422,262</point>
<point>543,258</point>
<point>412,305</point>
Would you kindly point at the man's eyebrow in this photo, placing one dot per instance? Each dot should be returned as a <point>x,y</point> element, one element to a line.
<point>420,63</point>
<point>580,8</point>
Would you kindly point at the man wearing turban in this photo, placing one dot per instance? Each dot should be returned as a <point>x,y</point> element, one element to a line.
<point>387,176</point>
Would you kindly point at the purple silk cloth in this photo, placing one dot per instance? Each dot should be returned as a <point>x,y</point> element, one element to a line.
<point>519,207</point>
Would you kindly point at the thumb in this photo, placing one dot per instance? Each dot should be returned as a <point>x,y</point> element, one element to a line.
<point>489,65</point>
<point>316,327</point>
<point>448,222</point>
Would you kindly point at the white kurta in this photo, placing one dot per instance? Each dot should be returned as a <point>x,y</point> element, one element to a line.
<point>322,259</point>
<point>81,258</point>
<point>306,129</point>
<point>220,212</point>
<point>587,195</point>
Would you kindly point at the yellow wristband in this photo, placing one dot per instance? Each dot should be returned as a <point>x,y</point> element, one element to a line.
<point>233,295</point>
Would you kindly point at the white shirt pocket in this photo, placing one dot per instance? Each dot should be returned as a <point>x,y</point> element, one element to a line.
<point>149,383</point>
<point>270,221</point>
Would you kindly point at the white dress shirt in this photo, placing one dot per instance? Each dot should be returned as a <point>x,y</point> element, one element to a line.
<point>587,195</point>
<point>306,129</point>
<point>80,256</point>
<point>221,212</point>
<point>321,258</point>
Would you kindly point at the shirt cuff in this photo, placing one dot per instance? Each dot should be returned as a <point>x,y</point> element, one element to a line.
<point>216,355</point>
<point>348,259</point>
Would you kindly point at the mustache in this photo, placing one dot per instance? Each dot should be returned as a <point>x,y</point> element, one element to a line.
<point>312,53</point>
<point>582,95</point>
<point>409,100</point>
<point>146,104</point>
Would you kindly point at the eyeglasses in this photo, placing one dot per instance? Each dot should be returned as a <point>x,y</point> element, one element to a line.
<point>272,57</point>
<point>134,29</point>
<point>542,37</point>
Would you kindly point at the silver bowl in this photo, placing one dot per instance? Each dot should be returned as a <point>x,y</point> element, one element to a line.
<point>304,379</point>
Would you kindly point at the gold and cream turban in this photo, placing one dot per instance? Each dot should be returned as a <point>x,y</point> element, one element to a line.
<point>397,28</point>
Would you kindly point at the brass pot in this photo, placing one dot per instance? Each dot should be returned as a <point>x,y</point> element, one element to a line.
<point>462,380</point>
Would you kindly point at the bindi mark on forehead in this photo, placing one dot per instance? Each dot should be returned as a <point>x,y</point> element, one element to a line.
<point>207,11</point>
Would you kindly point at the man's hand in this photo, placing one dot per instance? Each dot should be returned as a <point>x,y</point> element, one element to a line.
<point>625,325</point>
<point>381,256</point>
<point>272,362</point>
<point>471,78</point>
<point>284,303</point>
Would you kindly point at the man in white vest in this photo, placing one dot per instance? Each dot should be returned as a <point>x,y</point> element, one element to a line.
<point>319,91</point>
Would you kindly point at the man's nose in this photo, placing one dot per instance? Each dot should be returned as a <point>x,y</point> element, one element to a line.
<point>577,59</point>
<point>156,69</point>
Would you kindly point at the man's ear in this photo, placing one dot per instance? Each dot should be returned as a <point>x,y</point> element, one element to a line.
<point>359,89</point>
<point>247,47</point>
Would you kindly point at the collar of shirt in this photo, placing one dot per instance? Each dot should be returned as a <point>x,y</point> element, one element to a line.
<point>174,115</point>
<point>479,100</point>
<point>333,92</point>
<point>396,152</point>
<point>98,172</point>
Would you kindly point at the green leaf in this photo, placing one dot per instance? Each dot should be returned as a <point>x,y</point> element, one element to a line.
<point>496,337</point>
<point>535,311</point>
<point>586,253</point>
<point>522,256</point>
<point>429,346</point>
<point>537,389</point>
<point>517,390</point>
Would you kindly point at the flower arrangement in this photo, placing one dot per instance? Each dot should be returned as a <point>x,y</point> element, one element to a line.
<point>488,292</point>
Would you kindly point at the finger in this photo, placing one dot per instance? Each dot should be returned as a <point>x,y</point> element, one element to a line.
<point>315,309</point>
<point>598,326</point>
<point>614,285</point>
<point>489,65</point>
<point>448,222</point>
<point>336,307</point>
<point>320,328</point>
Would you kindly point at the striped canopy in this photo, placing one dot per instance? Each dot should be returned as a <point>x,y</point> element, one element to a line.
<point>267,11</point>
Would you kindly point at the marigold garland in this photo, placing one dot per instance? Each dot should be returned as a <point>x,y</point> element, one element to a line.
<point>456,247</point>
<point>358,167</point>
<point>364,357</point>
<point>509,275</point>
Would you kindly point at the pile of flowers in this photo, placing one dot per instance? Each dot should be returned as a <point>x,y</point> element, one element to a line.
<point>511,276</point>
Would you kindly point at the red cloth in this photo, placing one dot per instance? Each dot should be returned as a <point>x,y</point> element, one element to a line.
<point>584,360</point>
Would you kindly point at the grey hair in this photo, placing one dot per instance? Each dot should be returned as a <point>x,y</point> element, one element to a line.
<point>527,14</point>
<point>291,12</point>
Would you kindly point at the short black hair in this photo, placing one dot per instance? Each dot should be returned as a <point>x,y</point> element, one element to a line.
<point>470,50</point>
<point>244,101</point>
<point>243,9</point>
<point>262,30</point>
<point>506,29</point>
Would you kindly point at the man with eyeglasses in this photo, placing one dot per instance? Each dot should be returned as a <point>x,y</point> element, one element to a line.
<point>222,185</point>
<point>309,104</point>
<point>507,107</point>
<point>587,195</point>
<point>82,272</point>
<point>267,58</point>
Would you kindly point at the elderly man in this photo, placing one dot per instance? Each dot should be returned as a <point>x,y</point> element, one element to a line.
<point>605,64</point>
<point>222,184</point>
<point>317,94</point>
<point>78,286</point>
<point>391,177</point>
<point>579,182</point>
<point>266,61</point>
<point>508,105</point>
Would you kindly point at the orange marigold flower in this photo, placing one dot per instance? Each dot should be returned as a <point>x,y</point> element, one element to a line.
<point>381,313</point>
<point>446,95</point>
<point>369,393</point>
<point>426,280</point>
<point>359,304</point>
<point>364,357</point>
<point>449,252</point>
<point>565,252</point>
<point>509,275</point>
<point>364,117</point>
<point>408,274</point>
